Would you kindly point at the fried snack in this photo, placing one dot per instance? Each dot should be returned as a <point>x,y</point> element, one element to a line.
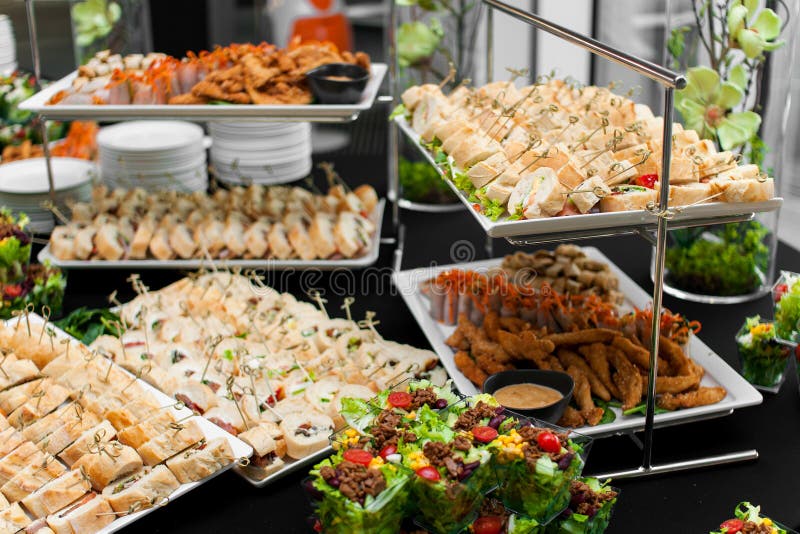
<point>638,355</point>
<point>679,363</point>
<point>571,418</point>
<point>490,365</point>
<point>514,325</point>
<point>595,355</point>
<point>583,337</point>
<point>583,396</point>
<point>676,384</point>
<point>627,378</point>
<point>491,325</point>
<point>555,365</point>
<point>469,368</point>
<point>700,397</point>
<point>188,99</point>
<point>570,359</point>
<point>526,347</point>
<point>458,340</point>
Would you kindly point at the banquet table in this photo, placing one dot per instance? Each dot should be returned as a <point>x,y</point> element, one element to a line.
<point>690,501</point>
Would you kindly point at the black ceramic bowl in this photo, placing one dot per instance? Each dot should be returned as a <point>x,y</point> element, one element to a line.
<point>328,88</point>
<point>557,380</point>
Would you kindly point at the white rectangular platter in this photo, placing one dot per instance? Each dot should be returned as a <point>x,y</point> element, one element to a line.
<point>718,372</point>
<point>612,221</point>
<point>249,112</point>
<point>290,466</point>
<point>240,449</point>
<point>324,265</point>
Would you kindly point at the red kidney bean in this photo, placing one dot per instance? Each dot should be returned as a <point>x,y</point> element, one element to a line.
<point>495,421</point>
<point>440,403</point>
<point>565,461</point>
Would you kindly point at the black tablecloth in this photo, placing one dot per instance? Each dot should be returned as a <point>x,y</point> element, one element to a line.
<point>692,501</point>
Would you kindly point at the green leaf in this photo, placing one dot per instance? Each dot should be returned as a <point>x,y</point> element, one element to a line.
<point>736,18</point>
<point>398,111</point>
<point>738,76</point>
<point>676,44</point>
<point>767,24</point>
<point>751,43</point>
<point>729,95</point>
<point>702,83</point>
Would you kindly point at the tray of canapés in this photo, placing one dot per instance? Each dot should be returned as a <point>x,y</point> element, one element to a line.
<point>305,81</point>
<point>571,311</point>
<point>254,226</point>
<point>446,463</point>
<point>258,363</point>
<point>554,157</point>
<point>88,447</point>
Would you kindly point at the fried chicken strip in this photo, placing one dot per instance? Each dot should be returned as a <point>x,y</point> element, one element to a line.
<point>571,359</point>
<point>638,355</point>
<point>583,396</point>
<point>700,397</point>
<point>673,353</point>
<point>571,418</point>
<point>469,368</point>
<point>595,355</point>
<point>627,378</point>
<point>525,347</point>
<point>583,337</point>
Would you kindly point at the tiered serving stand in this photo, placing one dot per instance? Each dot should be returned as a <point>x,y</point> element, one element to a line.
<point>651,225</point>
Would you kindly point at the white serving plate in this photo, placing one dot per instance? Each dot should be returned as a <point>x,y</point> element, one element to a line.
<point>251,112</point>
<point>291,466</point>
<point>240,448</point>
<point>29,176</point>
<point>718,373</point>
<point>590,222</point>
<point>324,265</point>
<point>151,137</point>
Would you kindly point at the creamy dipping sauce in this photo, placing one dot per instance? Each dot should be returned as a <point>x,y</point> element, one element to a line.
<point>339,78</point>
<point>526,396</point>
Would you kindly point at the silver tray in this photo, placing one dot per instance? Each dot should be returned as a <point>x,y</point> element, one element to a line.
<point>240,449</point>
<point>250,112</point>
<point>324,265</point>
<point>595,222</point>
<point>740,393</point>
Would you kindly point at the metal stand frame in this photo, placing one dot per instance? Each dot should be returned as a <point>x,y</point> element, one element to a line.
<point>670,81</point>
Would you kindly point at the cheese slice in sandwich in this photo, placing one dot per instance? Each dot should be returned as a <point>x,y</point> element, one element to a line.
<point>201,461</point>
<point>57,493</point>
<point>90,513</point>
<point>170,443</point>
<point>31,478</point>
<point>113,461</point>
<point>16,372</point>
<point>305,433</point>
<point>99,435</point>
<point>13,519</point>
<point>142,489</point>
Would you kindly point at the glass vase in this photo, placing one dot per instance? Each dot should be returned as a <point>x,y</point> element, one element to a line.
<point>429,37</point>
<point>120,26</point>
<point>735,262</point>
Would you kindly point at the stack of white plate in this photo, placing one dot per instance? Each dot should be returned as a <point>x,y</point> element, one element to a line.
<point>24,187</point>
<point>154,155</point>
<point>260,152</point>
<point>8,51</point>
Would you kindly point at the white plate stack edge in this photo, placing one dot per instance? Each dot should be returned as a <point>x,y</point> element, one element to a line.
<point>264,153</point>
<point>153,155</point>
<point>8,51</point>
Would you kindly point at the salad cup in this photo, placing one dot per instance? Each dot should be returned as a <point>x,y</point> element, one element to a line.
<point>596,516</point>
<point>763,358</point>
<point>786,295</point>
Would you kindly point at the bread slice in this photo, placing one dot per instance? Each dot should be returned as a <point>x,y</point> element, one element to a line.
<point>690,194</point>
<point>749,190</point>
<point>62,243</point>
<point>146,488</point>
<point>90,513</point>
<point>112,461</point>
<point>255,238</point>
<point>137,435</point>
<point>321,234</point>
<point>170,443</point>
<point>548,195</point>
<point>588,193</point>
<point>306,433</point>
<point>13,519</point>
<point>16,372</point>
<point>200,462</point>
<point>84,242</point>
<point>628,198</point>
<point>182,241</point>
<point>31,478</point>
<point>99,435</point>
<point>109,243</point>
<point>57,493</point>
<point>301,242</point>
<point>279,242</point>
<point>40,404</point>
<point>10,439</point>
<point>159,245</point>
<point>66,434</point>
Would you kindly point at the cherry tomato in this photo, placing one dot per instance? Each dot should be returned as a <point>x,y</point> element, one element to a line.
<point>357,456</point>
<point>13,290</point>
<point>779,291</point>
<point>647,180</point>
<point>387,450</point>
<point>400,399</point>
<point>488,525</point>
<point>428,473</point>
<point>548,442</point>
<point>732,525</point>
<point>476,207</point>
<point>484,434</point>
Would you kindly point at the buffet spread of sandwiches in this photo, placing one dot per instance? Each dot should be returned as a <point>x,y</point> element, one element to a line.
<point>277,222</point>
<point>234,74</point>
<point>554,149</point>
<point>260,364</point>
<point>83,442</point>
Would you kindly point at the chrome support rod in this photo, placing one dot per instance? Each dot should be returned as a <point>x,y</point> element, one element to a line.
<point>658,278</point>
<point>393,142</point>
<point>489,45</point>
<point>662,75</point>
<point>37,73</point>
<point>683,465</point>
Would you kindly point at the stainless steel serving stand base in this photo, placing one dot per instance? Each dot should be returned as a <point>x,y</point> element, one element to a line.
<point>682,465</point>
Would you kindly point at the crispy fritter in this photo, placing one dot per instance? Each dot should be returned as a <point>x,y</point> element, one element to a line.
<point>571,418</point>
<point>595,355</point>
<point>627,378</point>
<point>701,397</point>
<point>638,355</point>
<point>571,359</point>
<point>469,368</point>
<point>583,396</point>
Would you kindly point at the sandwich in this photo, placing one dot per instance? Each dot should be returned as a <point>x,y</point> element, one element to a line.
<point>40,404</point>
<point>31,478</point>
<point>255,238</point>
<point>84,243</point>
<point>109,242</point>
<point>18,459</point>
<point>62,242</point>
<point>182,241</point>
<point>13,519</point>
<point>13,398</point>
<point>10,439</point>
<point>196,396</point>
<point>131,413</point>
<point>159,245</point>
<point>109,462</point>
<point>144,488</point>
<point>141,239</point>
<point>16,372</point>
<point>301,241</point>
<point>585,196</point>
<point>171,442</point>
<point>538,194</point>
<point>70,430</point>
<point>368,196</point>
<point>690,194</point>
<point>97,436</point>
<point>234,236</point>
<point>137,435</point>
<point>351,234</point>
<point>88,514</point>
<point>57,493</point>
<point>279,242</point>
<point>201,461</point>
<point>305,433</point>
<point>628,197</point>
<point>321,233</point>
<point>269,447</point>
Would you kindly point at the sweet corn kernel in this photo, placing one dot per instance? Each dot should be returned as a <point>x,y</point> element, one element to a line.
<point>350,432</point>
<point>767,521</point>
<point>376,462</point>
